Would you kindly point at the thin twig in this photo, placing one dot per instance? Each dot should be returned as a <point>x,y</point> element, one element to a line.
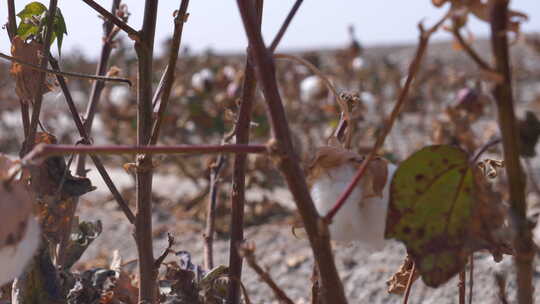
<point>65,74</point>
<point>211,212</point>
<point>313,69</point>
<point>413,69</point>
<point>108,35</point>
<point>86,140</point>
<point>238,188</point>
<point>523,245</point>
<point>161,258</point>
<point>484,148</point>
<point>471,277</point>
<point>284,26</point>
<point>248,252</point>
<point>132,33</point>
<point>461,286</point>
<point>470,51</point>
<point>36,110</point>
<point>288,161</point>
<point>410,282</point>
<point>168,81</point>
<point>45,150</point>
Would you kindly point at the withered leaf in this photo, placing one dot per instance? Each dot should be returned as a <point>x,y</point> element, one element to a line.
<point>26,78</point>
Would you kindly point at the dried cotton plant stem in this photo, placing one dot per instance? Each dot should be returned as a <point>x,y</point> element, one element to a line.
<point>211,212</point>
<point>65,74</point>
<point>144,48</point>
<point>462,286</point>
<point>97,87</point>
<point>132,33</point>
<point>470,51</point>
<point>238,195</point>
<point>471,278</point>
<point>502,92</point>
<point>42,151</point>
<point>402,98</point>
<point>168,81</point>
<point>12,21</point>
<point>410,282</point>
<point>288,161</point>
<point>36,110</point>
<point>248,252</point>
<point>285,26</point>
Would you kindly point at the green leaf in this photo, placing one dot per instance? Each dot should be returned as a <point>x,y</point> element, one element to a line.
<point>32,9</point>
<point>59,29</point>
<point>430,210</point>
<point>25,30</point>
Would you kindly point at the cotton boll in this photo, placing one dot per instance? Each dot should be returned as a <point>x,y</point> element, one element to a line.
<point>311,88</point>
<point>13,259</point>
<point>361,220</point>
<point>202,80</point>
<point>358,63</point>
<point>119,96</point>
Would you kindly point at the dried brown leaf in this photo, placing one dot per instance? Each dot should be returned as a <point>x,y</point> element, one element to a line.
<point>398,282</point>
<point>27,79</point>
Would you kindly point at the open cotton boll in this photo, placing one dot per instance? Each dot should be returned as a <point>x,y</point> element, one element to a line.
<point>201,80</point>
<point>311,88</point>
<point>362,219</point>
<point>13,259</point>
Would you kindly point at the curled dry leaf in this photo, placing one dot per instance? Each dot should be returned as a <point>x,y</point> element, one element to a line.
<point>26,78</point>
<point>398,282</point>
<point>363,216</point>
<point>19,231</point>
<point>481,10</point>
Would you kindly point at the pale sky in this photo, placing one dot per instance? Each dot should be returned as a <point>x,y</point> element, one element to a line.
<point>319,23</point>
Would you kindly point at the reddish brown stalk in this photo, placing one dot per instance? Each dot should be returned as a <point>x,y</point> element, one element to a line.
<point>285,26</point>
<point>249,253</point>
<point>36,110</point>
<point>524,252</point>
<point>238,199</point>
<point>65,74</point>
<point>215,170</point>
<point>402,98</point>
<point>470,51</point>
<point>12,22</point>
<point>144,48</point>
<point>168,81</point>
<point>471,278</point>
<point>461,286</point>
<point>410,282</point>
<point>97,87</point>
<point>44,150</point>
<point>288,161</point>
<point>133,34</point>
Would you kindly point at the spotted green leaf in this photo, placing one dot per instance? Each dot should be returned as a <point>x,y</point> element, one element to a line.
<point>430,210</point>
